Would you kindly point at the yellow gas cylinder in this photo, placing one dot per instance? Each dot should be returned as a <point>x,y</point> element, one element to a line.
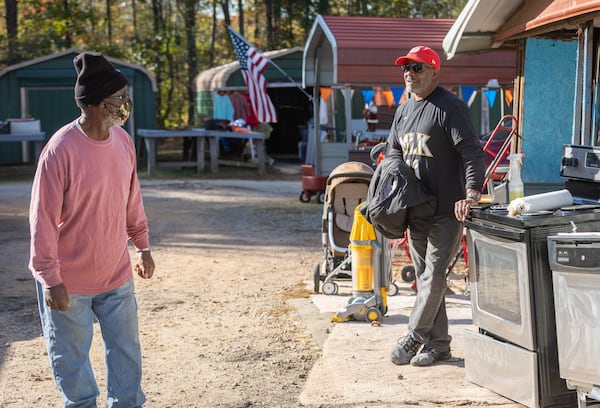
<point>361,248</point>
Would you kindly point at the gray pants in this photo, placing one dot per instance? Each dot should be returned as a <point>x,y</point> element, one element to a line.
<point>431,255</point>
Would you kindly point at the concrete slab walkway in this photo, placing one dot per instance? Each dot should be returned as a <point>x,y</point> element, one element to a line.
<point>355,367</point>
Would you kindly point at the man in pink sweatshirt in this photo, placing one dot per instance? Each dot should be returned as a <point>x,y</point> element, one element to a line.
<point>86,205</point>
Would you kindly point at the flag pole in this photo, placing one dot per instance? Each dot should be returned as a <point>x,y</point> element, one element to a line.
<point>274,64</point>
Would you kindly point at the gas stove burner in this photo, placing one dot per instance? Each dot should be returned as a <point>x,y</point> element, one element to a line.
<point>536,213</point>
<point>580,207</point>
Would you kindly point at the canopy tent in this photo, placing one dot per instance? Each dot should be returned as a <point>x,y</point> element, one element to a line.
<point>349,53</point>
<point>228,77</point>
<point>284,89</point>
<point>221,77</point>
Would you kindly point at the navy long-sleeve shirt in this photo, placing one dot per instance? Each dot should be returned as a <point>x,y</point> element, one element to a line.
<point>436,137</point>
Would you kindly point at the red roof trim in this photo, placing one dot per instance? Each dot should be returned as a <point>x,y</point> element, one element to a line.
<point>534,15</point>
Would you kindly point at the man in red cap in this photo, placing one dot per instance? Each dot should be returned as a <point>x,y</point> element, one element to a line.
<point>86,204</point>
<point>432,132</point>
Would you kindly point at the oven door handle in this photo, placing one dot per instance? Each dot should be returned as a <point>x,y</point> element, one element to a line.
<point>517,236</point>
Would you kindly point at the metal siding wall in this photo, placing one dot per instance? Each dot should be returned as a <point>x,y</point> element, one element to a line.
<point>548,107</point>
<point>144,108</point>
<point>145,101</point>
<point>59,106</point>
<point>10,107</point>
<point>10,153</point>
<point>53,107</point>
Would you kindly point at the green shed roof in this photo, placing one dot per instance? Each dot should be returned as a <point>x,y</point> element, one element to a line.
<point>51,66</point>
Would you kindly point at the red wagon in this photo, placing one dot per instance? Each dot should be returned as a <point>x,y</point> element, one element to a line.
<point>312,185</point>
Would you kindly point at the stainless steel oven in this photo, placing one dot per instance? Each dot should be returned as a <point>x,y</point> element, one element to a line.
<point>514,351</point>
<point>575,263</point>
<point>500,288</point>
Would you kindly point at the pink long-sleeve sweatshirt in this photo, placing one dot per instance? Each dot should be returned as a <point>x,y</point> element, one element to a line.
<point>86,204</point>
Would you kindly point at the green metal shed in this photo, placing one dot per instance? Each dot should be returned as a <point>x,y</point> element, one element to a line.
<point>42,88</point>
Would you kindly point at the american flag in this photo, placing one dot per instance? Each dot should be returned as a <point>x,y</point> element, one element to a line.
<point>252,64</point>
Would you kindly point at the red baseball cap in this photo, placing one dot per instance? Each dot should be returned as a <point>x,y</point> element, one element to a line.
<point>422,54</point>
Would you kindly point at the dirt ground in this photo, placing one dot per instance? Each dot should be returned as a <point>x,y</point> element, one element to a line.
<point>217,325</point>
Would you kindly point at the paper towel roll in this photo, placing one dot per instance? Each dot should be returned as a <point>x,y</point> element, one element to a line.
<point>540,202</point>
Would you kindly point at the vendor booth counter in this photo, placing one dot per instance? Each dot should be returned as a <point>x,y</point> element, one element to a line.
<point>151,136</point>
<point>37,138</point>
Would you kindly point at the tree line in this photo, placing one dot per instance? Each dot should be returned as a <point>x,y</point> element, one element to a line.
<point>177,39</point>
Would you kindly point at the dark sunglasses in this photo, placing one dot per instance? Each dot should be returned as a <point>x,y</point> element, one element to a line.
<point>416,67</point>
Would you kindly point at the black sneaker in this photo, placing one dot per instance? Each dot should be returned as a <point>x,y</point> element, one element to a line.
<point>405,350</point>
<point>428,356</point>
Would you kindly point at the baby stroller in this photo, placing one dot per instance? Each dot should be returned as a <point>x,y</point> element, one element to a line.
<point>347,186</point>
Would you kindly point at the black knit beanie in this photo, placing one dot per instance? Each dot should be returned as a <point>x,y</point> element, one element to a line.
<point>96,78</point>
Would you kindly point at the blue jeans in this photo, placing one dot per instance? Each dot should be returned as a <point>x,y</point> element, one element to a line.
<point>68,338</point>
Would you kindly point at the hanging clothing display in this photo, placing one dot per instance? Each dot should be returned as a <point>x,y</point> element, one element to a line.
<point>223,109</point>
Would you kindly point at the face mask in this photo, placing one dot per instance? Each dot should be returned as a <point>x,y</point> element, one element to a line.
<point>123,112</point>
<point>120,116</point>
